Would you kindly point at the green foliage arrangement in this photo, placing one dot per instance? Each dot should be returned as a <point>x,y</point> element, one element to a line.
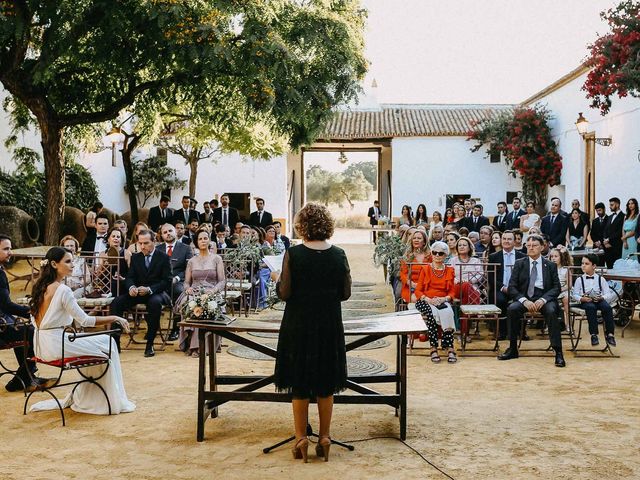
<point>388,253</point>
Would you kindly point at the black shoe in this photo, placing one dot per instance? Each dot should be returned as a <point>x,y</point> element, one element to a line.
<point>611,340</point>
<point>173,336</point>
<point>560,360</point>
<point>526,338</point>
<point>594,340</point>
<point>16,384</point>
<point>563,326</point>
<point>508,354</point>
<point>149,351</point>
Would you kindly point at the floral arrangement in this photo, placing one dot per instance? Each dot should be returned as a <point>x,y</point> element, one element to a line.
<point>203,304</point>
<point>524,138</point>
<point>388,252</point>
<point>615,57</point>
<point>247,251</point>
<point>382,220</point>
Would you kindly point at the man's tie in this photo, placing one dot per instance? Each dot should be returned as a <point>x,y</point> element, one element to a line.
<point>169,250</point>
<point>186,217</point>
<point>553,219</point>
<point>260,216</point>
<point>147,261</point>
<point>533,276</point>
<point>162,213</point>
<point>225,220</point>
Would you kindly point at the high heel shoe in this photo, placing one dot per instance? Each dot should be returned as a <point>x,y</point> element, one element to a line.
<point>300,449</point>
<point>323,446</point>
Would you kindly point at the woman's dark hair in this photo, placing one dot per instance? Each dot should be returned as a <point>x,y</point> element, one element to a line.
<point>47,276</point>
<point>202,230</point>
<point>533,204</point>
<point>635,210</point>
<point>577,210</point>
<point>408,208</point>
<point>314,222</point>
<point>421,215</point>
<point>122,239</point>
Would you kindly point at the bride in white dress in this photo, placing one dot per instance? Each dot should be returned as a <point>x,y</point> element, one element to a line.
<point>531,219</point>
<point>53,308</point>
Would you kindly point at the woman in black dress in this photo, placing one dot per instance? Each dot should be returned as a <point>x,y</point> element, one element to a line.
<point>311,359</point>
<point>577,229</point>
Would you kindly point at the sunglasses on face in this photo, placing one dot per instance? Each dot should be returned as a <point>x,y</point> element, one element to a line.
<point>438,254</point>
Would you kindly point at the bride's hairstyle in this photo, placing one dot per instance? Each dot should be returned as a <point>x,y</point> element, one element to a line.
<point>47,276</point>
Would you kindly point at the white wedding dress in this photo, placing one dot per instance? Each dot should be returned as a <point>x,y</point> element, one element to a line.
<point>64,311</point>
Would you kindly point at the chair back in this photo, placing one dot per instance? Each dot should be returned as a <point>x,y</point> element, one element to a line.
<point>479,283</point>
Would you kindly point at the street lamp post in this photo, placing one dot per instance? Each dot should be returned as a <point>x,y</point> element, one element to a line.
<point>582,124</point>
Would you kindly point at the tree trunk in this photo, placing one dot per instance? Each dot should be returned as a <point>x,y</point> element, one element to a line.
<point>193,175</point>
<point>51,141</point>
<point>128,148</point>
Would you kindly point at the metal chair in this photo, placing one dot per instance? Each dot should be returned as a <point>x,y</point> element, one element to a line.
<point>10,345</point>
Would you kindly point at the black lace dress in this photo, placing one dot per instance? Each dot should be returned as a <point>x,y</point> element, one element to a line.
<point>311,360</point>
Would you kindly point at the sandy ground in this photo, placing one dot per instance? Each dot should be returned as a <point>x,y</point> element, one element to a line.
<point>478,419</point>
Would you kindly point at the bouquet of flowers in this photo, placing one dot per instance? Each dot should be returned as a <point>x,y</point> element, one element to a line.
<point>203,304</point>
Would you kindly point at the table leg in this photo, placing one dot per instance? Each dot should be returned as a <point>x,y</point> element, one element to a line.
<point>213,372</point>
<point>201,384</point>
<point>398,362</point>
<point>403,388</point>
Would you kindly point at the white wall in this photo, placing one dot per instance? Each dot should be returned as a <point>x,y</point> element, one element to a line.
<point>617,166</point>
<point>426,169</point>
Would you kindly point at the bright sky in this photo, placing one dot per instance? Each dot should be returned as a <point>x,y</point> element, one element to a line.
<point>476,51</point>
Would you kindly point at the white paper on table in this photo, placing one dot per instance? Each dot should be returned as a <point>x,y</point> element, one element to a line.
<point>274,262</point>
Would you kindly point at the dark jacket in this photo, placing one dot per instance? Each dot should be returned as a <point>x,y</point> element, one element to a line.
<point>179,258</point>
<point>519,282</point>
<point>179,215</point>
<point>206,217</point>
<point>598,227</point>
<point>557,232</point>
<point>503,225</point>
<point>614,230</point>
<point>475,226</point>
<point>157,278</point>
<point>8,309</point>
<point>233,216</point>
<point>267,219</point>
<point>496,274</point>
<point>372,215</point>
<point>513,219</point>
<point>89,244</point>
<point>155,217</point>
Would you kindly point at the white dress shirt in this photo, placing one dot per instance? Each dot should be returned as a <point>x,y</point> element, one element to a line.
<point>101,244</point>
<point>591,284</point>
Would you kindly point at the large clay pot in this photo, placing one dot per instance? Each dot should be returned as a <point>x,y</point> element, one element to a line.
<point>20,226</point>
<point>143,216</point>
<point>73,224</point>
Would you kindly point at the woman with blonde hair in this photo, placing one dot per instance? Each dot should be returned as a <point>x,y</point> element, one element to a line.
<point>418,252</point>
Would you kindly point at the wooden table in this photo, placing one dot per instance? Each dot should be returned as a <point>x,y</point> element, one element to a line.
<point>400,325</point>
<point>30,254</point>
<point>629,298</point>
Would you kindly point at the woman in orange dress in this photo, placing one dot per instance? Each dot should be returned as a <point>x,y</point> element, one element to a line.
<point>435,291</point>
<point>418,252</point>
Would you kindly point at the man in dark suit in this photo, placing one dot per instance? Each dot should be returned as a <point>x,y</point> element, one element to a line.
<point>279,237</point>
<point>513,218</point>
<point>534,287</point>
<point>613,233</point>
<point>477,220</point>
<point>598,226</point>
<point>148,281</point>
<point>500,219</point>
<point>25,378</point>
<point>374,214</point>
<point>555,224</point>
<point>179,254</point>
<point>500,275</point>
<point>160,214</point>
<point>207,215</point>
<point>186,213</point>
<point>181,233</point>
<point>96,241</point>
<point>260,218</point>
<point>226,214</point>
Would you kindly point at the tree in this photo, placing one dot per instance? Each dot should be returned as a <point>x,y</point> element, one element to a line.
<point>283,64</point>
<point>368,169</point>
<point>151,176</point>
<point>332,187</point>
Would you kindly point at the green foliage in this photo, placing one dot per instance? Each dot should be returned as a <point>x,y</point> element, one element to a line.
<point>389,251</point>
<point>82,190</point>
<point>368,169</point>
<point>332,187</point>
<point>151,176</point>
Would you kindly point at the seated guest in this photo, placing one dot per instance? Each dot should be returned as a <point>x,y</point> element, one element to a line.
<point>113,264</point>
<point>474,237</point>
<point>448,216</point>
<point>561,257</point>
<point>534,286</point>
<point>555,224</point>
<point>180,233</point>
<point>148,281</point>
<point>133,243</point>
<point>194,226</point>
<point>598,226</point>
<point>485,240</point>
<point>452,239</point>
<point>477,220</point>
<point>236,228</point>
<point>260,218</point>
<point>269,247</point>
<point>500,220</point>
<point>281,238</point>
<point>436,220</point>
<point>464,232</point>
<point>593,294</point>
<point>577,231</point>
<point>504,261</point>
<point>468,272</point>
<point>24,378</point>
<point>221,239</point>
<point>97,242</point>
<point>124,228</point>
<point>186,213</point>
<point>203,271</point>
<point>418,253</point>
<point>435,291</point>
<point>421,215</point>
<point>406,217</point>
<point>179,254</point>
<point>160,214</point>
<point>437,234</point>
<point>53,309</point>
<point>518,245</point>
<point>495,245</point>
<point>529,220</point>
<point>81,275</point>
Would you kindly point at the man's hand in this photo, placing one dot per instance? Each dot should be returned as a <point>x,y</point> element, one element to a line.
<point>530,306</point>
<point>539,304</point>
<point>504,290</point>
<point>142,291</point>
<point>133,292</point>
